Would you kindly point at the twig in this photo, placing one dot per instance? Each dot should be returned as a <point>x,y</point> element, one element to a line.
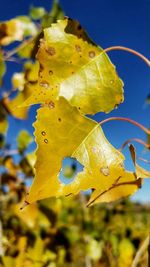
<point>144,160</point>
<point>140,252</point>
<point>134,140</point>
<point>18,48</point>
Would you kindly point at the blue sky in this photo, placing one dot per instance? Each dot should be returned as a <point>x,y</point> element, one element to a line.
<point>109,23</point>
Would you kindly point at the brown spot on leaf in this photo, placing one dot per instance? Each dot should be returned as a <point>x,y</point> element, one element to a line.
<point>78,48</point>
<point>51,104</point>
<point>51,51</point>
<point>44,84</point>
<point>79,27</point>
<point>50,72</point>
<point>91,54</point>
<point>43,133</point>
<point>105,171</point>
<point>41,67</point>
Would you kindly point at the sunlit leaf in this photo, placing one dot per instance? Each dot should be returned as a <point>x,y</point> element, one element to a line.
<point>94,249</point>
<point>28,215</point>
<point>126,252</point>
<point>21,81</point>
<point>68,125</point>
<point>16,29</point>
<point>18,80</point>
<point>103,164</point>
<point>77,70</point>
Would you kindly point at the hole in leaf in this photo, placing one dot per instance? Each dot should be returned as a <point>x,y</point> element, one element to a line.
<point>69,170</point>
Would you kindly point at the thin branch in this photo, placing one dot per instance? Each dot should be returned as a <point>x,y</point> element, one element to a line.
<point>11,152</point>
<point>146,130</point>
<point>1,240</point>
<point>140,252</point>
<point>134,140</point>
<point>144,160</point>
<point>13,59</point>
<point>18,48</point>
<point>134,52</point>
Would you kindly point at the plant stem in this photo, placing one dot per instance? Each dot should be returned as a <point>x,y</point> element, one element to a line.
<point>146,130</point>
<point>140,252</point>
<point>136,182</point>
<point>19,47</point>
<point>144,160</point>
<point>135,140</point>
<point>132,51</point>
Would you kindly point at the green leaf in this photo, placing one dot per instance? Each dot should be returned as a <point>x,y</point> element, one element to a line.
<point>55,14</point>
<point>37,12</point>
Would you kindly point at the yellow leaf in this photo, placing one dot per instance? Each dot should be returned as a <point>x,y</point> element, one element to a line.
<point>78,70</point>
<point>3,126</point>
<point>140,172</point>
<point>12,104</point>
<point>28,215</point>
<point>21,81</point>
<point>103,170</point>
<point>70,130</point>
<point>18,81</point>
<point>126,252</point>
<point>79,137</point>
<point>16,29</point>
<point>126,186</point>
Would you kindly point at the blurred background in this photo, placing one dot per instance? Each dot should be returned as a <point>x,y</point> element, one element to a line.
<point>63,232</point>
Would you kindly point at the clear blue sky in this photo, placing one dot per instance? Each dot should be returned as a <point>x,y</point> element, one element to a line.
<point>109,23</point>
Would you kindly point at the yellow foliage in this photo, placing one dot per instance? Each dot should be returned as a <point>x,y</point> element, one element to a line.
<point>103,164</point>
<point>77,70</point>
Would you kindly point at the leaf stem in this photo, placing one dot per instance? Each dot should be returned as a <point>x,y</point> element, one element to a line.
<point>146,130</point>
<point>140,252</point>
<point>144,160</point>
<point>135,140</point>
<point>19,47</point>
<point>132,51</point>
<point>136,182</point>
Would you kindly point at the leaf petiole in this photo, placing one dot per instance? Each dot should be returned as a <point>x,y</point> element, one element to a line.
<point>146,130</point>
<point>132,51</point>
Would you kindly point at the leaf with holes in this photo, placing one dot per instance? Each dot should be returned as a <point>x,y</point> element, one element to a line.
<point>73,67</point>
<point>81,138</point>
